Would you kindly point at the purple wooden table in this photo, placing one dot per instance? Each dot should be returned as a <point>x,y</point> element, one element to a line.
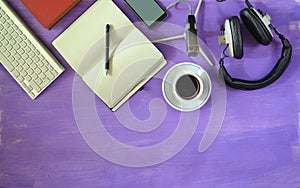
<point>54,141</point>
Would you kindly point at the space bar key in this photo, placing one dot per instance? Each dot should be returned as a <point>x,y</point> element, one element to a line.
<point>6,63</point>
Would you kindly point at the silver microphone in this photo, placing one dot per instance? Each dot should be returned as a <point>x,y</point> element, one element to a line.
<point>191,36</point>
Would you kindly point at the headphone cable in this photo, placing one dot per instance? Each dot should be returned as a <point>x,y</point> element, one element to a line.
<point>249,5</point>
<point>179,1</point>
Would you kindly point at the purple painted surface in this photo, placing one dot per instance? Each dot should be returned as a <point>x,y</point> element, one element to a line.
<point>258,145</point>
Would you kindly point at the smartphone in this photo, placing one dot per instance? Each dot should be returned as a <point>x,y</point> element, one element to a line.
<point>149,11</point>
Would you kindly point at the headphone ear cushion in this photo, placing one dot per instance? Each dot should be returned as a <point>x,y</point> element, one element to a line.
<point>237,39</point>
<point>256,26</point>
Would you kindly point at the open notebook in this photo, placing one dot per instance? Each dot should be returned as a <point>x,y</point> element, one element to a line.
<point>133,59</point>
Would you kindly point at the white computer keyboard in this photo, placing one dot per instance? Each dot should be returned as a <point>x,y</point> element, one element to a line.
<point>23,55</point>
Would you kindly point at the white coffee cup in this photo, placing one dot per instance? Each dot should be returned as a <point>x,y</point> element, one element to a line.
<point>186,87</point>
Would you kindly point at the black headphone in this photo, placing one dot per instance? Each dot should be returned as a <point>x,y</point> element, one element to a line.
<point>259,25</point>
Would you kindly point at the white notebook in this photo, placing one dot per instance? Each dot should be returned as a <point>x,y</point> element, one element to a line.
<point>133,60</point>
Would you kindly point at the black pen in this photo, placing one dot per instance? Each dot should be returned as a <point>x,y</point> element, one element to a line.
<point>107,49</point>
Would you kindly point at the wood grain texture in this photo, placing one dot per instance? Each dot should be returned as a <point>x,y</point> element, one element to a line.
<point>258,145</point>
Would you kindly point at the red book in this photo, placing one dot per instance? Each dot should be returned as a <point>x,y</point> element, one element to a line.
<point>48,12</point>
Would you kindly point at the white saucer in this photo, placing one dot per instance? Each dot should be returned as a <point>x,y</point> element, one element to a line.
<point>170,93</point>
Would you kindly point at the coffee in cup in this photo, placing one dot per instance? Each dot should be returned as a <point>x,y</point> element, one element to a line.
<point>188,86</point>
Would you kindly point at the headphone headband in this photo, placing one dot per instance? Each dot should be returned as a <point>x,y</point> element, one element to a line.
<point>276,72</point>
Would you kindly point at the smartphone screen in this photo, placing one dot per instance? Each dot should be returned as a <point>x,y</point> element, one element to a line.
<point>149,11</point>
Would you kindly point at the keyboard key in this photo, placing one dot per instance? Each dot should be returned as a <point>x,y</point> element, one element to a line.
<point>30,62</point>
<point>20,78</point>
<point>34,93</point>
<point>23,44</point>
<point>34,76</point>
<point>44,84</point>
<point>17,46</point>
<point>40,63</point>
<point>15,63</point>
<point>18,57</point>
<point>23,73</point>
<point>46,80</point>
<point>33,66</point>
<point>10,22</point>
<point>12,41</point>
<point>19,39</point>
<point>6,17</point>
<point>5,42</point>
<point>22,61</point>
<point>38,71</point>
<point>9,66</point>
<point>21,51</point>
<point>19,32</point>
<point>13,52</point>
<point>9,47</point>
<point>28,42</point>
<point>25,56</point>
<point>6,53</point>
<point>30,71</point>
<point>14,34</point>
<point>23,37</point>
<point>49,75</point>
<point>8,36</point>
<point>37,52</point>
<point>2,49</point>
<point>38,81</point>
<point>19,68</point>
<point>54,72</point>
<point>30,88</point>
<point>28,78</point>
<point>35,86</point>
<point>50,68</point>
<point>10,29</point>
<point>35,58</point>
<point>26,66</point>
<point>44,69</point>
<point>11,58</point>
<point>5,25</point>
<point>15,73</point>
<point>28,50</point>
<point>42,75</point>
<point>4,32</point>
<point>24,84</point>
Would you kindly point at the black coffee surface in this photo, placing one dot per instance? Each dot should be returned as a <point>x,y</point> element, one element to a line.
<point>187,86</point>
